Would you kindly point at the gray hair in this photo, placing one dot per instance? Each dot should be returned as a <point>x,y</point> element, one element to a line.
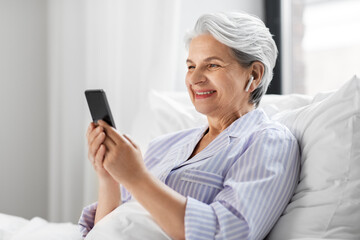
<point>248,38</point>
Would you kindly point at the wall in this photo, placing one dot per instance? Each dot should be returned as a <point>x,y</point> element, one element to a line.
<point>23,106</point>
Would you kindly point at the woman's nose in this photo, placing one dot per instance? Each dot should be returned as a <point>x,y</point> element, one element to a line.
<point>196,77</point>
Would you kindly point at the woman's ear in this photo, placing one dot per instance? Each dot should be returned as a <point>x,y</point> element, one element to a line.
<point>257,72</point>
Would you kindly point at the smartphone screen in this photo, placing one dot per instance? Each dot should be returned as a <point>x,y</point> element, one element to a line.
<point>99,106</point>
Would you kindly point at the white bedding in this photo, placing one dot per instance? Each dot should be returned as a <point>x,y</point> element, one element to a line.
<point>129,221</point>
<point>17,228</point>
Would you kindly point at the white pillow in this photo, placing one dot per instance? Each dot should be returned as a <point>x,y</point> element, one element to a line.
<point>164,112</point>
<point>273,104</point>
<point>326,202</point>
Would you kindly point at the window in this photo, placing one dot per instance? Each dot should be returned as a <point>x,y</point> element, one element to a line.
<point>320,44</point>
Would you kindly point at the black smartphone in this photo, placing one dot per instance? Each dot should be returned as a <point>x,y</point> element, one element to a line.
<point>99,106</point>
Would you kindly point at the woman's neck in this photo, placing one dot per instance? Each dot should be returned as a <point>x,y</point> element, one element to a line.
<point>219,124</point>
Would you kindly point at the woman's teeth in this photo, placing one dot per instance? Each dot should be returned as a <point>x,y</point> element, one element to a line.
<point>203,93</point>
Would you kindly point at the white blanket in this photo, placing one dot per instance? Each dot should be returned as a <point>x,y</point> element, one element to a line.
<point>130,221</point>
<point>17,228</point>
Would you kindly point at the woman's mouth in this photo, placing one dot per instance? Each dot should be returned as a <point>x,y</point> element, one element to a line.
<point>204,94</point>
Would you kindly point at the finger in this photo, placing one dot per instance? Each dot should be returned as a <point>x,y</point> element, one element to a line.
<point>90,157</point>
<point>99,157</point>
<point>95,145</point>
<point>112,133</point>
<point>94,134</point>
<point>109,143</point>
<point>131,141</point>
<point>90,128</point>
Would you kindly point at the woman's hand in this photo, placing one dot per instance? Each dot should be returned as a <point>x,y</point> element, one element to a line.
<point>123,158</point>
<point>95,137</point>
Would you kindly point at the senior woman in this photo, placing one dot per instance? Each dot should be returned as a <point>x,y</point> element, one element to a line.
<point>230,179</point>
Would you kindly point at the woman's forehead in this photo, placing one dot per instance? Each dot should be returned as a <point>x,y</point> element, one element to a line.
<point>207,47</point>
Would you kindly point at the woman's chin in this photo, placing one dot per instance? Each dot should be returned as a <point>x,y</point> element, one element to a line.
<point>205,110</point>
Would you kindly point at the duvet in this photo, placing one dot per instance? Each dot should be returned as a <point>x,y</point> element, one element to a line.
<point>137,222</point>
<point>17,228</point>
<point>130,221</point>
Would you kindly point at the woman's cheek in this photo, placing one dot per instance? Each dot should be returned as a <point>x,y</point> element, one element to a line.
<point>190,92</point>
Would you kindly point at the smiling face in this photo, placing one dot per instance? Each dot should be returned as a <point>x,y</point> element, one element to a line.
<point>215,80</point>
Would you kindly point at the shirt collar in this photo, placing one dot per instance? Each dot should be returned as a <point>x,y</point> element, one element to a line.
<point>242,125</point>
<point>246,123</point>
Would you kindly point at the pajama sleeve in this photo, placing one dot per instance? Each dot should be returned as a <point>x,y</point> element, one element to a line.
<point>86,221</point>
<point>87,218</point>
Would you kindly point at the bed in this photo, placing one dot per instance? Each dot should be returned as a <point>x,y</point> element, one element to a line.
<point>326,202</point>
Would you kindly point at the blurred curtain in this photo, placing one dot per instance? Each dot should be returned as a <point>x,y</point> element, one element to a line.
<point>125,47</point>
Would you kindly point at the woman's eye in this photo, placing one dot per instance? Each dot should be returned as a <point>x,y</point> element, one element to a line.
<point>213,66</point>
<point>191,67</point>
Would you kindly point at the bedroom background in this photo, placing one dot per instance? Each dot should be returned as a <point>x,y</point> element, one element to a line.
<point>52,50</point>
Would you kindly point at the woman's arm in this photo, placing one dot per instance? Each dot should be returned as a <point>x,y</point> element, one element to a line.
<point>109,189</point>
<point>123,160</point>
<point>109,198</point>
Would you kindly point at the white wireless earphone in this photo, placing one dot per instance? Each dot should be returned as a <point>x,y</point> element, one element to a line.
<point>249,83</point>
